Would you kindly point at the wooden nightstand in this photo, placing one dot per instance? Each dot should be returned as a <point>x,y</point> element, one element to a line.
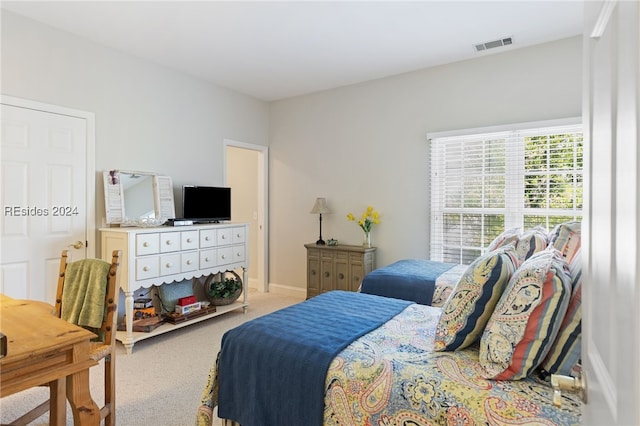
<point>340,267</point>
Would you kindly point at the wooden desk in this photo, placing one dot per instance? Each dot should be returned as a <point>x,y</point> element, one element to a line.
<point>41,349</point>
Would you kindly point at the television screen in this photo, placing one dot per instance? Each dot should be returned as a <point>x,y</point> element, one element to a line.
<point>206,203</point>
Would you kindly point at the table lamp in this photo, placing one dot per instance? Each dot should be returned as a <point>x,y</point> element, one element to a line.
<point>320,207</point>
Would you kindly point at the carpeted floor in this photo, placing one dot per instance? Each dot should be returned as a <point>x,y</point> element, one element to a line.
<point>162,381</point>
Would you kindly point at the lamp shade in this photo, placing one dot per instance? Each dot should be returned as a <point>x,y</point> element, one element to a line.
<point>320,207</point>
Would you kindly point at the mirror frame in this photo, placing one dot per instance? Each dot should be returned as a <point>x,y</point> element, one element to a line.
<point>115,209</point>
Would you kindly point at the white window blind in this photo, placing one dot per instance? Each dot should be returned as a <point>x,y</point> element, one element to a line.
<point>483,182</point>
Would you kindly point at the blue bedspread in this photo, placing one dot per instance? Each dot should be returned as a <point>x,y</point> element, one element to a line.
<point>409,279</point>
<point>272,369</point>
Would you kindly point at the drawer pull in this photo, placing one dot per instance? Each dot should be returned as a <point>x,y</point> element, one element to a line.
<point>168,265</point>
<point>145,268</point>
<point>168,242</point>
<point>341,276</point>
<point>188,262</point>
<point>326,274</point>
<point>206,238</point>
<point>189,240</point>
<point>313,272</point>
<point>224,236</point>
<point>223,256</point>
<point>145,244</point>
<point>206,259</point>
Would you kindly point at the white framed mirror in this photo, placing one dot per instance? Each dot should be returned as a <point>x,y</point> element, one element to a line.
<point>137,198</point>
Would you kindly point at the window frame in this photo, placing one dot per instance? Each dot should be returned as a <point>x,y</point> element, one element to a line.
<point>514,208</point>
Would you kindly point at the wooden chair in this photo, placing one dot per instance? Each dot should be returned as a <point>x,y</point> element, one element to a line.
<point>99,350</point>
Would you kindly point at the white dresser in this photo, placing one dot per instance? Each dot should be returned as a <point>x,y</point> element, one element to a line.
<point>162,255</point>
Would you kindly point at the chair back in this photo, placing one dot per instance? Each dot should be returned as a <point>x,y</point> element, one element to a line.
<point>108,327</point>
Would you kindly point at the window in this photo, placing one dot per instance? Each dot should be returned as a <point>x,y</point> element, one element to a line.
<point>488,180</point>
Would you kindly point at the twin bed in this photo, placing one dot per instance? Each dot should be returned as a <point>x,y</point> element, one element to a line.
<point>345,358</point>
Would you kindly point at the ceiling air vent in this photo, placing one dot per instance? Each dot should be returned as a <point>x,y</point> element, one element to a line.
<point>492,44</point>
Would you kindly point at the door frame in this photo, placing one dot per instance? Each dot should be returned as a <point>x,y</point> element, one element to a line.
<point>90,190</point>
<point>263,204</point>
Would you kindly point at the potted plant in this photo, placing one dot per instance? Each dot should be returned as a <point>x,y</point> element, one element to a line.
<point>223,289</point>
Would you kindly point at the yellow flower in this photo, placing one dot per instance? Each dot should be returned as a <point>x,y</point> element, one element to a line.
<point>369,218</point>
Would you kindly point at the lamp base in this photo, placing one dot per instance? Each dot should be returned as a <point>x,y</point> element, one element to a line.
<point>320,242</point>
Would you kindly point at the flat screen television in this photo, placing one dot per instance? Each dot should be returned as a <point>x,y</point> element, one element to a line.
<point>206,204</point>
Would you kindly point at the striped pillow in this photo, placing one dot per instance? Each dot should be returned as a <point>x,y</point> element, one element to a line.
<point>527,318</point>
<point>469,307</point>
<point>566,237</point>
<point>531,242</point>
<point>507,236</point>
<point>566,349</point>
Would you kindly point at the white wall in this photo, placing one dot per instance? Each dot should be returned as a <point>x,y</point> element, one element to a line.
<point>357,145</point>
<point>365,144</point>
<point>148,118</point>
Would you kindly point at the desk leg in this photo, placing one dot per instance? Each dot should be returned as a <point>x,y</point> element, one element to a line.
<point>85,410</point>
<point>58,402</point>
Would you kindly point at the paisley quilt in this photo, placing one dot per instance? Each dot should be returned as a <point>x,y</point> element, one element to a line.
<point>392,377</point>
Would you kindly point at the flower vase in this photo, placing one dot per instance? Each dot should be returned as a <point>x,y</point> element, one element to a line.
<point>367,240</point>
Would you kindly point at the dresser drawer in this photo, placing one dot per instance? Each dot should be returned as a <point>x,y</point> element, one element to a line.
<point>238,253</point>
<point>189,261</point>
<point>239,236</point>
<point>169,241</point>
<point>208,258</point>
<point>147,244</point>
<point>225,236</point>
<point>189,240</point>
<point>170,264</point>
<point>225,255</point>
<point>208,238</point>
<point>147,267</point>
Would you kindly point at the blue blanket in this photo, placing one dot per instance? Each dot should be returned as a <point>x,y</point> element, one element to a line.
<point>409,279</point>
<point>273,369</point>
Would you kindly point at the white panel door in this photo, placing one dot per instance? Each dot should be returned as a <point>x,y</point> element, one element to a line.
<point>612,221</point>
<point>44,198</point>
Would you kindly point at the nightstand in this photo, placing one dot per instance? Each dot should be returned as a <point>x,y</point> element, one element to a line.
<point>340,267</point>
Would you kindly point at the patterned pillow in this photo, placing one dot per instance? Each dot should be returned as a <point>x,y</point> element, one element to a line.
<point>531,242</point>
<point>469,307</point>
<point>566,238</point>
<point>566,349</point>
<point>507,236</point>
<point>527,318</point>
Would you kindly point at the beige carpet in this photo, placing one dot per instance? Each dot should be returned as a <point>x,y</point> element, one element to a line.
<point>162,381</point>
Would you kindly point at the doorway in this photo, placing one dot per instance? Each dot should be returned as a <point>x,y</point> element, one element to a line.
<point>246,171</point>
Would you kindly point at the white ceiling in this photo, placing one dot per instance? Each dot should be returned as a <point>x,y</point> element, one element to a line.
<point>274,50</point>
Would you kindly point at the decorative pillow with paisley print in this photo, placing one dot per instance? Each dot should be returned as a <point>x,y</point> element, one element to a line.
<point>527,317</point>
<point>468,309</point>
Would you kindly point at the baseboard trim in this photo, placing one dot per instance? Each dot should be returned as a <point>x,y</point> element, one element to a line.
<point>287,290</point>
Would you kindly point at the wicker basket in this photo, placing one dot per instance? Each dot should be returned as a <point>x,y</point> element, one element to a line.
<point>221,301</point>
